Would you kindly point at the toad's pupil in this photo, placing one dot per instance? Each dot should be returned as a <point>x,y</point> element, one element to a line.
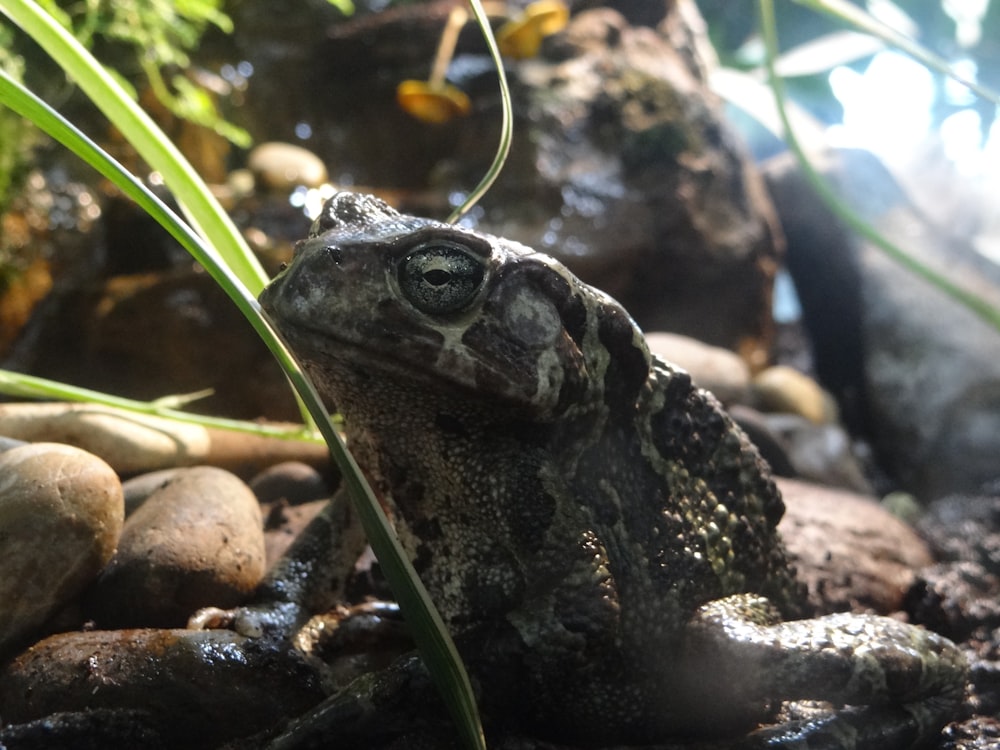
<point>437,277</point>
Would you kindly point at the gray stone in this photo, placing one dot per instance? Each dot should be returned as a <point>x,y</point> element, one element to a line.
<point>821,453</point>
<point>910,365</point>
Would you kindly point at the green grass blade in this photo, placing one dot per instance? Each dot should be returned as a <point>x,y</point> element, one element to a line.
<point>506,122</point>
<point>138,128</point>
<point>19,385</point>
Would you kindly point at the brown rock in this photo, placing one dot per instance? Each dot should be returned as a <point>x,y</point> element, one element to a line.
<point>195,542</point>
<point>293,482</point>
<point>61,513</point>
<point>850,552</point>
<point>285,523</point>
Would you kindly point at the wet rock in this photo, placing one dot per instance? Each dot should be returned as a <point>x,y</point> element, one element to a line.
<point>977,733</point>
<point>961,594</point>
<point>910,365</point>
<point>641,199</point>
<point>61,515</point>
<point>955,599</point>
<point>291,481</point>
<point>195,542</point>
<point>94,729</point>
<point>850,552</point>
<point>133,443</point>
<point>198,688</point>
<point>784,389</point>
<point>284,166</point>
<point>622,165</point>
<point>718,370</point>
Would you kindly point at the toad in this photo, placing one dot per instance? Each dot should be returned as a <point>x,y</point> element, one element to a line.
<point>598,535</point>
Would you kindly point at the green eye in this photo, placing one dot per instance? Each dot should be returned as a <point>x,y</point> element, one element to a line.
<point>440,278</point>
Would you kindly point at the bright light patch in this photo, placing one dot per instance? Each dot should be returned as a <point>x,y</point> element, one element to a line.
<point>887,109</point>
<point>961,136</point>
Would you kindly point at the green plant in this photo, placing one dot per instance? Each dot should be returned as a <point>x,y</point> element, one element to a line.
<point>15,142</point>
<point>153,37</point>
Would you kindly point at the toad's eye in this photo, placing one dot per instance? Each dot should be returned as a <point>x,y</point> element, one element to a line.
<point>440,278</point>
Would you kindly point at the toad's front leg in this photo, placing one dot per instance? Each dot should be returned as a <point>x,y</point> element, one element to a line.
<point>310,578</point>
<point>910,679</point>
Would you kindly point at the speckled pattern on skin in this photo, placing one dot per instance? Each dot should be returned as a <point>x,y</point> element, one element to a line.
<point>598,535</point>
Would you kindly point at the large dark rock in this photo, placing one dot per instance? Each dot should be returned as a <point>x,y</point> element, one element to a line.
<point>621,164</point>
<point>912,366</point>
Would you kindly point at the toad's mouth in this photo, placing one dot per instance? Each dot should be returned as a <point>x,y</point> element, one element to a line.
<point>419,363</point>
<point>424,365</point>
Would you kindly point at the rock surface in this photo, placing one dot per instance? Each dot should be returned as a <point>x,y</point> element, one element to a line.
<point>61,514</point>
<point>911,366</point>
<point>291,481</point>
<point>819,453</point>
<point>195,542</point>
<point>850,552</point>
<point>196,687</point>
<point>784,389</point>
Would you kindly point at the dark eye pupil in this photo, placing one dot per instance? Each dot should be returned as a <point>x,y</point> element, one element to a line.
<point>437,277</point>
<point>441,278</point>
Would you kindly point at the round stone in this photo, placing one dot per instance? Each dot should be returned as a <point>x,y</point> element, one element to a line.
<point>784,389</point>
<point>197,541</point>
<point>61,513</point>
<point>284,166</point>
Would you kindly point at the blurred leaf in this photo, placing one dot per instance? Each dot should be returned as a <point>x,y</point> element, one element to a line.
<point>827,52</point>
<point>857,18</point>
<point>344,6</point>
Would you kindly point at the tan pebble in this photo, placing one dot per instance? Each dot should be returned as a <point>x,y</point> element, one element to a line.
<point>130,442</point>
<point>284,166</point>
<point>61,513</point>
<point>195,542</point>
<point>785,389</point>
